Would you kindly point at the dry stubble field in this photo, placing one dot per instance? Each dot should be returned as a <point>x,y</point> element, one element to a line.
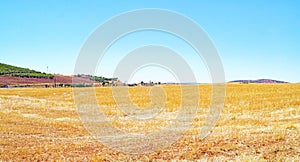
<point>260,122</point>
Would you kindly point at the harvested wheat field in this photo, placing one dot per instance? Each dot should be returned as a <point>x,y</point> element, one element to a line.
<point>259,122</point>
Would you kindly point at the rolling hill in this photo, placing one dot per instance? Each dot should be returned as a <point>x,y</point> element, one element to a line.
<point>13,75</point>
<point>258,81</point>
<point>14,71</point>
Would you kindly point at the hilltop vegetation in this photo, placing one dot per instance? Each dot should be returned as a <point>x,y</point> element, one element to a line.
<point>96,78</point>
<point>22,72</point>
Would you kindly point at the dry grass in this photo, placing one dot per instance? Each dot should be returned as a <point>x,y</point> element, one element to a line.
<point>260,122</point>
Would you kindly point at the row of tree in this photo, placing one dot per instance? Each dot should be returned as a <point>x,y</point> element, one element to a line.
<point>33,75</point>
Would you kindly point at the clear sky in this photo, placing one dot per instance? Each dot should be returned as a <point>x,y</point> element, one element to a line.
<point>255,39</point>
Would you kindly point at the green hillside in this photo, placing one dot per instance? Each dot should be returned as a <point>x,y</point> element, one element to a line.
<point>22,72</point>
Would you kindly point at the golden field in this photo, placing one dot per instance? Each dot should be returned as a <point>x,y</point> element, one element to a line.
<point>259,122</point>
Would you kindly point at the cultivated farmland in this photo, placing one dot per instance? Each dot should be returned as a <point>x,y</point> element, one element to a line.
<point>259,122</point>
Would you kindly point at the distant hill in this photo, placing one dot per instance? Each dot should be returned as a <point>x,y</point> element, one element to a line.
<point>13,75</point>
<point>258,81</point>
<point>14,71</point>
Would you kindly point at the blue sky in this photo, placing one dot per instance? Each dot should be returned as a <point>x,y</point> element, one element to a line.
<point>255,39</point>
